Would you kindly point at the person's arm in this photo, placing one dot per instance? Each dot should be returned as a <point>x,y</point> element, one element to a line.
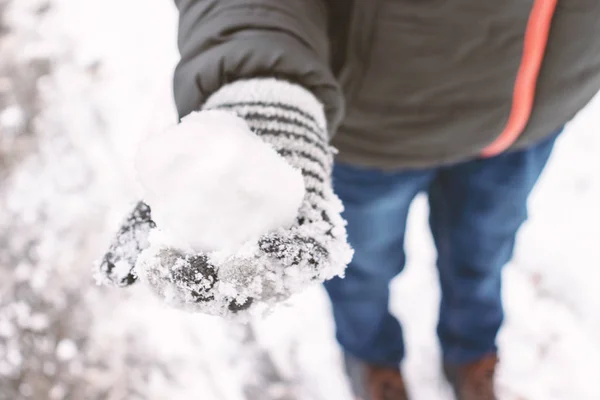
<point>222,41</point>
<point>230,52</point>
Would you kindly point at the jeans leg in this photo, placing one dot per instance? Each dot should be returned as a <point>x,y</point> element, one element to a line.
<point>376,208</point>
<point>477,208</point>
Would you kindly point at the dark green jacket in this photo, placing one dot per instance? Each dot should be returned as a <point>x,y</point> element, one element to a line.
<point>405,83</point>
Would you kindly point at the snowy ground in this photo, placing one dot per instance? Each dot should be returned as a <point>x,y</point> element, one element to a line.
<point>80,81</point>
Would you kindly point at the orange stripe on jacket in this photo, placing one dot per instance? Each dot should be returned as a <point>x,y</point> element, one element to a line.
<point>536,39</point>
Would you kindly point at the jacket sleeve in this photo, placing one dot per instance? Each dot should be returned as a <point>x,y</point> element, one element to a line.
<point>221,41</point>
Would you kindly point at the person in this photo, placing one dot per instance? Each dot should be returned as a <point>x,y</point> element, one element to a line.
<point>460,99</point>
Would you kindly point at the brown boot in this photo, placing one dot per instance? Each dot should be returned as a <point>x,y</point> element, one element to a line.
<point>475,380</point>
<point>370,382</point>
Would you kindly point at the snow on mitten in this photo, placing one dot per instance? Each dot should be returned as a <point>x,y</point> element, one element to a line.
<point>117,266</point>
<point>266,269</point>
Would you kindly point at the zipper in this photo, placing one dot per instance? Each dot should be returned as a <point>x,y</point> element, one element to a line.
<point>534,48</point>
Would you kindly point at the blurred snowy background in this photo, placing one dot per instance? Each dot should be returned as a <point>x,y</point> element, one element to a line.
<point>80,81</point>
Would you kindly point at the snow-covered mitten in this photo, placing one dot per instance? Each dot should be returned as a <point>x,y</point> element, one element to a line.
<point>266,269</point>
<point>117,266</point>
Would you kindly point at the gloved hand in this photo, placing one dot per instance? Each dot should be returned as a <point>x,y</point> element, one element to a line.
<point>284,261</point>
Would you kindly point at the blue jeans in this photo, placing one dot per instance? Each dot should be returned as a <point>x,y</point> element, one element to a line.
<point>476,208</point>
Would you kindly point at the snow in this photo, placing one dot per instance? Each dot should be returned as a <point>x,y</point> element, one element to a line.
<point>213,185</point>
<point>122,268</point>
<point>66,350</point>
<point>68,181</point>
<point>11,118</point>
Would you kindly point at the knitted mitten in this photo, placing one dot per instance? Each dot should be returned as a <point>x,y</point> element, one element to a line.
<point>282,262</point>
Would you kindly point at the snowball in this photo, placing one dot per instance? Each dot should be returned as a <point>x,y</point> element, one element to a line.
<point>213,184</point>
